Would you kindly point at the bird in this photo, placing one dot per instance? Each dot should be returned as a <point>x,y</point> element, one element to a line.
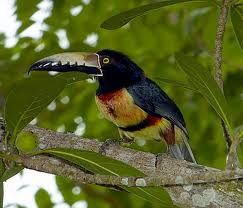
<point>128,98</point>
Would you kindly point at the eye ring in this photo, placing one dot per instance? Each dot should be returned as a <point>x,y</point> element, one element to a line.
<point>106,60</point>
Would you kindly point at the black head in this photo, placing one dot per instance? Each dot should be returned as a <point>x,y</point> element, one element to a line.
<point>118,71</point>
<point>112,69</point>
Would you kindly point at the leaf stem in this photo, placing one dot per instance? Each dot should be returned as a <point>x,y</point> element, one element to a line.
<point>6,138</point>
<point>11,157</point>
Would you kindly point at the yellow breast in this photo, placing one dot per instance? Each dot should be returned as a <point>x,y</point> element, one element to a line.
<point>119,107</point>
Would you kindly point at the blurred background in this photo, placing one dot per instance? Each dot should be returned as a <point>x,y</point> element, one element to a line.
<point>31,30</point>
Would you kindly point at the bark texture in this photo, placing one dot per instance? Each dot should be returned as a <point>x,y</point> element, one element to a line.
<point>189,185</point>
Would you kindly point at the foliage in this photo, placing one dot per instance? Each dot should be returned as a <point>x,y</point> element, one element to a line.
<point>94,162</point>
<point>10,173</point>
<point>43,199</point>
<point>99,164</point>
<point>35,95</point>
<point>123,18</point>
<point>205,84</point>
<point>237,21</point>
<point>151,41</point>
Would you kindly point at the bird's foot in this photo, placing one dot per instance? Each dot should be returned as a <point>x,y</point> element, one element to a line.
<point>126,141</point>
<point>158,158</point>
<point>106,144</point>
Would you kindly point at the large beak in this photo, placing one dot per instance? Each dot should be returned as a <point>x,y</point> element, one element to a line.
<point>67,62</point>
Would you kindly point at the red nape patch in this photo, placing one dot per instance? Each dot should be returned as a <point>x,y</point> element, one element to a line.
<point>110,95</point>
<point>169,135</point>
<point>153,120</point>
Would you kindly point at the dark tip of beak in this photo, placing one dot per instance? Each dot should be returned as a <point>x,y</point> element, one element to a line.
<point>49,66</point>
<point>59,67</point>
<point>39,66</point>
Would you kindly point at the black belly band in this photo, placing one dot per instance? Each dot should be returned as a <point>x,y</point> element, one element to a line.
<point>143,124</point>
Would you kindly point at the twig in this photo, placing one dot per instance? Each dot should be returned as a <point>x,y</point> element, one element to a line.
<point>218,59</point>
<point>219,42</point>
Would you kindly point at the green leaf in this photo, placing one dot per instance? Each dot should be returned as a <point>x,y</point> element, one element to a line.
<point>66,187</point>
<point>206,85</point>
<point>237,22</point>
<point>14,205</point>
<point>28,98</point>
<point>123,18</point>
<point>177,83</point>
<point>2,167</point>
<point>99,164</point>
<point>94,162</point>
<point>25,11</point>
<point>11,172</point>
<point>25,25</point>
<point>43,199</point>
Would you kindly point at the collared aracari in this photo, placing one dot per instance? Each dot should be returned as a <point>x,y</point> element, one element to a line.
<point>126,97</point>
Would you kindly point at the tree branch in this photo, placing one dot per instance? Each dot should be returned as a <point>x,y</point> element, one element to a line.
<point>54,167</point>
<point>188,184</point>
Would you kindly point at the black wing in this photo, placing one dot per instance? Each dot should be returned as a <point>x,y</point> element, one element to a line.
<point>153,100</point>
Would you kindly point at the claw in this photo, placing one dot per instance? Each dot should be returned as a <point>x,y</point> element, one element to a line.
<point>106,144</point>
<point>126,140</point>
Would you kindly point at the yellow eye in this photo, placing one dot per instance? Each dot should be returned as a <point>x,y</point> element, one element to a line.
<point>106,60</point>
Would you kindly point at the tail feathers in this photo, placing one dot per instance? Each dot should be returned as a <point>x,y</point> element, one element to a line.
<point>181,151</point>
